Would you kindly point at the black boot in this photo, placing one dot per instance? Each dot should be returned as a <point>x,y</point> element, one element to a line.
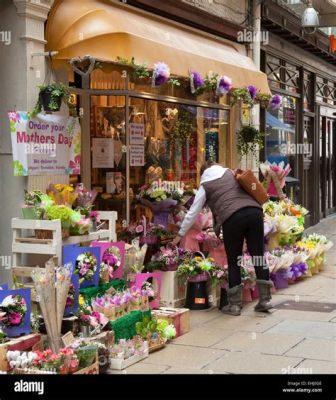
<point>264,288</point>
<point>235,301</point>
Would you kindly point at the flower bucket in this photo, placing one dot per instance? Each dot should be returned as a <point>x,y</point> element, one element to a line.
<point>170,267</point>
<point>246,293</point>
<point>254,293</point>
<point>203,277</point>
<point>280,279</point>
<point>85,330</point>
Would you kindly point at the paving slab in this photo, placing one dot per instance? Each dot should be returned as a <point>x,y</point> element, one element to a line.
<point>244,323</point>
<point>311,329</point>
<point>178,355</point>
<point>316,349</point>
<point>317,367</point>
<point>252,363</point>
<point>251,342</point>
<point>141,368</point>
<point>202,337</point>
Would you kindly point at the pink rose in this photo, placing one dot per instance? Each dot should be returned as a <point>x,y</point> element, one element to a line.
<point>139,229</point>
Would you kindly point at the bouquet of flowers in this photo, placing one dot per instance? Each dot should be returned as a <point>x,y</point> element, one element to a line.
<point>71,296</point>
<point>275,175</point>
<point>13,310</point>
<point>167,259</point>
<point>279,258</point>
<point>85,199</point>
<point>86,265</point>
<point>218,275</point>
<point>110,263</point>
<point>194,266</point>
<point>157,191</point>
<point>62,194</point>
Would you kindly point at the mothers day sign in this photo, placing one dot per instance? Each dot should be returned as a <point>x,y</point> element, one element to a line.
<point>45,145</point>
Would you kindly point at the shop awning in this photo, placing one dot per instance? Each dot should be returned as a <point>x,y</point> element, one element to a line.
<point>107,30</point>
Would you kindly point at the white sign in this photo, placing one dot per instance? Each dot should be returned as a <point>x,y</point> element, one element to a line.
<point>137,133</point>
<point>137,156</point>
<point>45,145</point>
<point>102,153</point>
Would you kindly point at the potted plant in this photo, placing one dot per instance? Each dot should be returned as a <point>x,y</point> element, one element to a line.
<point>51,97</point>
<point>249,140</point>
<point>65,214</point>
<point>240,95</point>
<point>263,99</point>
<point>32,205</point>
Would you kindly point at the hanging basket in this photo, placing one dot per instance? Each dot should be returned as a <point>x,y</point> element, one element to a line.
<point>45,99</point>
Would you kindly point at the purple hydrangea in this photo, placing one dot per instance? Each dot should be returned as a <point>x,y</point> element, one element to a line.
<point>275,101</point>
<point>161,74</point>
<point>224,85</point>
<point>253,91</point>
<point>196,81</point>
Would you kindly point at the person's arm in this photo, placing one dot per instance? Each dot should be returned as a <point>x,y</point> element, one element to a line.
<point>194,211</point>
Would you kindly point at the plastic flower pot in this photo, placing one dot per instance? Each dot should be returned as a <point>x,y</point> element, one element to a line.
<point>254,293</point>
<point>246,293</point>
<point>29,212</point>
<point>45,99</point>
<point>280,279</point>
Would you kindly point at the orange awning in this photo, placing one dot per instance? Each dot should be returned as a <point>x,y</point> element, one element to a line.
<point>107,30</point>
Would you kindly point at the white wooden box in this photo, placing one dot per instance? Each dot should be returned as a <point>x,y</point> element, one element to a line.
<point>117,363</point>
<point>172,292</point>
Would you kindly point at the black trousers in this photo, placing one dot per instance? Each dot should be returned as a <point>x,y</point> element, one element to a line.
<point>247,224</point>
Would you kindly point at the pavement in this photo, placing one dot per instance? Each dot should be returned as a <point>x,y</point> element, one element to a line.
<point>285,341</point>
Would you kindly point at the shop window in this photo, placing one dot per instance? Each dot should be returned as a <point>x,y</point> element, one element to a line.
<point>177,140</point>
<point>108,157</point>
<point>281,133</point>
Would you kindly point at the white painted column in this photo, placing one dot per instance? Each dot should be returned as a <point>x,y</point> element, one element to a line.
<point>20,74</point>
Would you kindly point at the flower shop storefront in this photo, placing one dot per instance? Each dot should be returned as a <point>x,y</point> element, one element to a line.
<point>147,122</point>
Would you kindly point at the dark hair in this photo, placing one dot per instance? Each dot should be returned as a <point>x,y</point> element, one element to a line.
<point>206,165</point>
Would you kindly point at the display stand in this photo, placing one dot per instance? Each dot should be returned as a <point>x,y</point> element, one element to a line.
<point>25,243</point>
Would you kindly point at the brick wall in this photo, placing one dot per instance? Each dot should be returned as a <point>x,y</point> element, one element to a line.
<point>233,11</point>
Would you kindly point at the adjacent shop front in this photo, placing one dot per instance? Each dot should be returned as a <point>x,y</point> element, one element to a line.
<point>302,130</point>
<point>133,130</point>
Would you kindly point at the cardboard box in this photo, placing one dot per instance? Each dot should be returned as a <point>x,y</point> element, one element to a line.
<point>179,317</point>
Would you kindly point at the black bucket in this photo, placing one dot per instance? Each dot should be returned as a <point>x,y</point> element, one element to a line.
<point>197,296</point>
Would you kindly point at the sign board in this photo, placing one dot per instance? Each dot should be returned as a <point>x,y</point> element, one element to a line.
<point>45,145</point>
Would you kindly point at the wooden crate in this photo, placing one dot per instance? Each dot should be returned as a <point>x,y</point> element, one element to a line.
<point>179,317</point>
<point>93,369</point>
<point>172,293</point>
<point>24,242</point>
<point>23,343</point>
